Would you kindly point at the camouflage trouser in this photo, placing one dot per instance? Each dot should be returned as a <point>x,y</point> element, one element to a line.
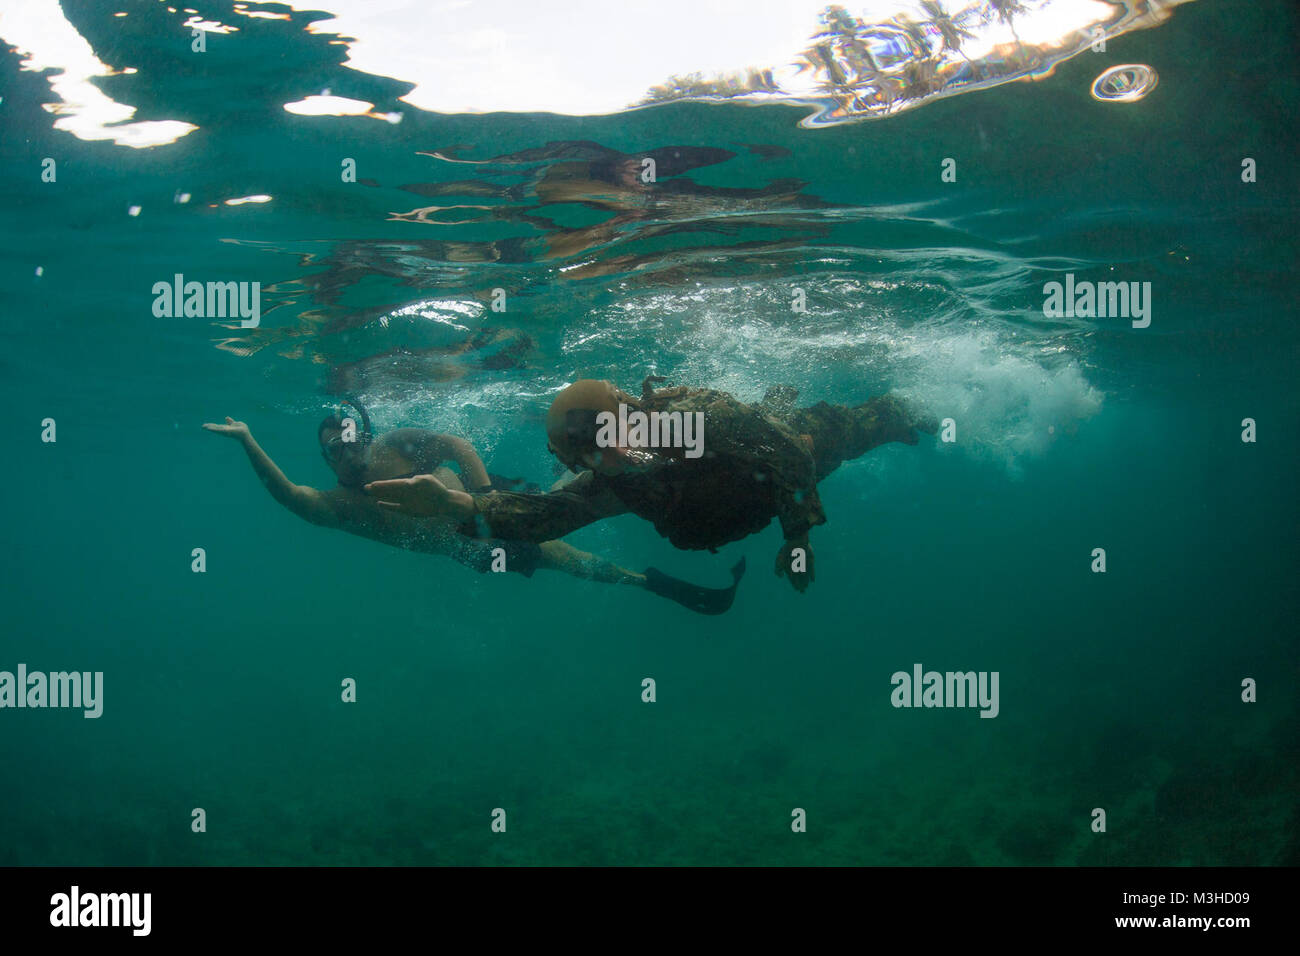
<point>841,433</point>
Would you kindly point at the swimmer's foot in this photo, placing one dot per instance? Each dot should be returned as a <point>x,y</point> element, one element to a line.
<point>698,599</point>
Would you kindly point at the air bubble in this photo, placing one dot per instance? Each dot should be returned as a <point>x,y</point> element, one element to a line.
<point>1125,84</point>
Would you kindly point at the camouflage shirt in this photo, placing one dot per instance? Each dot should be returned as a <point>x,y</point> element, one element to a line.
<point>754,468</point>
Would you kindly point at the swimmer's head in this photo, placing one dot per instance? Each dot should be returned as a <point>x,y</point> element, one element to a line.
<point>347,459</point>
<point>572,426</point>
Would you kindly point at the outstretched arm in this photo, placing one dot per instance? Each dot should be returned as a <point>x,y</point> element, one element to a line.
<point>502,514</point>
<point>307,503</point>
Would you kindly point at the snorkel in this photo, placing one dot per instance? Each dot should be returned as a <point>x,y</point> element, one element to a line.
<point>367,432</point>
<point>347,459</point>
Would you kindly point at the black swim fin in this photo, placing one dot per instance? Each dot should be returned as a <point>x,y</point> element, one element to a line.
<point>702,600</point>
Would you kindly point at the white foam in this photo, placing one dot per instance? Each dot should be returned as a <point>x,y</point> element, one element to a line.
<point>1012,394</point>
<point>1008,407</point>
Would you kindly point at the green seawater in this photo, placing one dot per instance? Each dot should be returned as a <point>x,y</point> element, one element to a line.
<point>1120,691</point>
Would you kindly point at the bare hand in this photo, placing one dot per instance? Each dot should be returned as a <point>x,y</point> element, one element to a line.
<point>423,496</point>
<point>231,429</point>
<point>785,560</point>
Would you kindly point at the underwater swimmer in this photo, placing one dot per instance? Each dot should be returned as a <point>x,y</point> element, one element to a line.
<point>755,463</point>
<point>360,457</point>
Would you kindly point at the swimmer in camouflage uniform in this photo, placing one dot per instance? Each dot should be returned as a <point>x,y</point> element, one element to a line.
<point>758,462</point>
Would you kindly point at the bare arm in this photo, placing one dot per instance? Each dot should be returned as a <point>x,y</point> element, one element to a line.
<point>421,445</point>
<point>473,472</point>
<point>305,502</point>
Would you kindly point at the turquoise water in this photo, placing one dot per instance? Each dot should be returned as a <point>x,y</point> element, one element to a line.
<point>1119,690</point>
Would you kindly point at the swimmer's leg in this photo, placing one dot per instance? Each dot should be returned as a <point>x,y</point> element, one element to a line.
<point>841,433</point>
<point>559,556</point>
